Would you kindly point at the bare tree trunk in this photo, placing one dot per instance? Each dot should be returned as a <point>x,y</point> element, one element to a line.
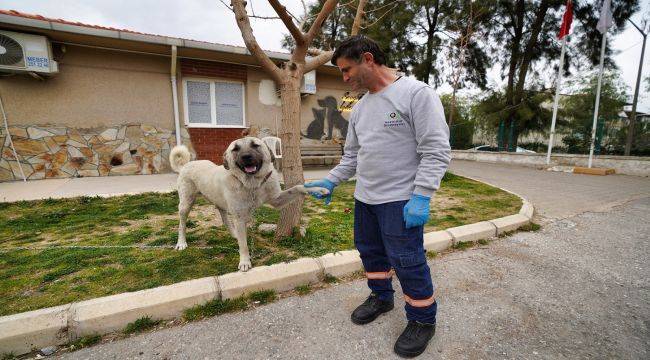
<point>517,18</point>
<point>291,160</point>
<point>535,29</point>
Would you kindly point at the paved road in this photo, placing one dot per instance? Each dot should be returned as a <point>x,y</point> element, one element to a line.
<point>557,195</point>
<point>579,288</point>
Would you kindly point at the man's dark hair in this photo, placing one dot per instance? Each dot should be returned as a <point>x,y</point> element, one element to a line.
<point>354,47</point>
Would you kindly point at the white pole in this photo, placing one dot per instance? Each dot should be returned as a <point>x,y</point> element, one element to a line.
<point>557,97</point>
<point>600,80</point>
<point>177,123</point>
<point>11,143</point>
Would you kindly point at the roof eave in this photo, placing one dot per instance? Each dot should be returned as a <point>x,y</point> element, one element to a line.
<point>125,35</point>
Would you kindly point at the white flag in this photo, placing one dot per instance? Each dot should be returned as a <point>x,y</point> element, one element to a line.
<point>605,20</point>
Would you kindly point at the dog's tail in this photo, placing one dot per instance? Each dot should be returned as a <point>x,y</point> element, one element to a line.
<point>178,157</point>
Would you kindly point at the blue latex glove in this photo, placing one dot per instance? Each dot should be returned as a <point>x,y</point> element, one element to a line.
<point>416,211</point>
<point>324,183</point>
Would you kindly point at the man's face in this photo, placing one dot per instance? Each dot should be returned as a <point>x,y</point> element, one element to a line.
<point>354,73</point>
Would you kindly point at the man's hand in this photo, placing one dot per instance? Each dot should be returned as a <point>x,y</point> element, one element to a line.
<point>416,211</point>
<point>325,184</point>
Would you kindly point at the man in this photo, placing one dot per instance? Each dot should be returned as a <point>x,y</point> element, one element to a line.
<point>398,145</point>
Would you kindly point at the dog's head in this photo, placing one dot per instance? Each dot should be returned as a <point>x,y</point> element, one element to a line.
<point>248,155</point>
<point>328,102</point>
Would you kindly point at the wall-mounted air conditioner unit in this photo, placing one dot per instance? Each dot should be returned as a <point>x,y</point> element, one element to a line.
<point>308,85</point>
<point>26,53</point>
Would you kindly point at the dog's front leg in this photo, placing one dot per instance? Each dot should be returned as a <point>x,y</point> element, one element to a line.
<point>226,221</point>
<point>291,194</point>
<point>239,231</point>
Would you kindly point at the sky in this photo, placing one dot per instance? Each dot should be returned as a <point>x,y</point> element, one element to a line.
<point>210,20</point>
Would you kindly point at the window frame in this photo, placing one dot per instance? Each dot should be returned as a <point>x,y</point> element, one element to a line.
<point>213,108</point>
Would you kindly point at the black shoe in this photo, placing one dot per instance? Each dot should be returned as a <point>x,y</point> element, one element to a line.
<point>370,309</point>
<point>414,339</point>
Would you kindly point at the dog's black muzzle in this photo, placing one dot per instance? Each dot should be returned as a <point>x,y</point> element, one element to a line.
<point>249,164</point>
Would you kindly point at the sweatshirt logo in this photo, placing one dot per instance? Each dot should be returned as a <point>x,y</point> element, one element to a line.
<point>394,119</point>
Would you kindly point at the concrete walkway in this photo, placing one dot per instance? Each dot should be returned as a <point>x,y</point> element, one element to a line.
<point>100,186</point>
<point>579,288</point>
<point>558,195</point>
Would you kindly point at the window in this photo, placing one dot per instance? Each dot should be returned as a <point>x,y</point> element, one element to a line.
<point>214,103</point>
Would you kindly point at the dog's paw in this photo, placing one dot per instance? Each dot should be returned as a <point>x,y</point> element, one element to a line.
<point>316,190</point>
<point>244,265</point>
<point>180,246</point>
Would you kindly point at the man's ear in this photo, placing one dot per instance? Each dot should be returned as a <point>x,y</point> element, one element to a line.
<point>368,57</point>
<point>226,165</point>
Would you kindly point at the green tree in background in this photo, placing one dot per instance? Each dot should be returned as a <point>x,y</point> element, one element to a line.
<point>578,111</point>
<point>462,130</point>
<point>414,34</point>
<point>533,112</point>
<point>525,33</point>
<point>385,21</point>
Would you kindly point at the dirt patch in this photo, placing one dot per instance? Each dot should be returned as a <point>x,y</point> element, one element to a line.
<point>203,216</point>
<point>444,202</point>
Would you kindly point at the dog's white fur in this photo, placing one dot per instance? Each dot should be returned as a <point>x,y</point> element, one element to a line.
<point>235,193</point>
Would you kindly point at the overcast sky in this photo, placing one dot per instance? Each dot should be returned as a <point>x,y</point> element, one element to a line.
<point>209,20</point>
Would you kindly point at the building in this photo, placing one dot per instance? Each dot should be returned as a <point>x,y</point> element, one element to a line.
<point>113,102</point>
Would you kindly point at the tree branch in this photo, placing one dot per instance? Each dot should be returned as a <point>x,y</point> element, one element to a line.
<point>304,17</point>
<point>324,57</point>
<point>251,16</point>
<point>244,25</point>
<point>328,7</point>
<point>298,36</point>
<point>317,61</point>
<point>379,18</point>
<point>358,19</point>
<point>314,51</point>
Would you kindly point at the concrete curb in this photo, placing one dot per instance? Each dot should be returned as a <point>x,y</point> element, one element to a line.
<point>279,277</point>
<point>25,332</point>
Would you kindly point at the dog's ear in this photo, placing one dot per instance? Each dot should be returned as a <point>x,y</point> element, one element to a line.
<point>226,165</point>
<point>270,151</point>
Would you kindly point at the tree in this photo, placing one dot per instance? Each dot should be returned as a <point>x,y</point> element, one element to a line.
<point>414,34</point>
<point>528,28</point>
<point>466,21</point>
<point>449,27</point>
<point>288,76</point>
<point>462,131</point>
<point>578,110</point>
<point>385,21</point>
<point>532,112</point>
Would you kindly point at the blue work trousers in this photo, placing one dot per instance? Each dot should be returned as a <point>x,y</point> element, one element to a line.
<point>387,246</point>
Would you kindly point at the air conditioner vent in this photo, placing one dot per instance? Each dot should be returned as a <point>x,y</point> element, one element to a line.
<point>11,53</point>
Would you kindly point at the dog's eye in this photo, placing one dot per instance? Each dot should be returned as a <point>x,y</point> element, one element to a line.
<point>236,148</point>
<point>255,145</point>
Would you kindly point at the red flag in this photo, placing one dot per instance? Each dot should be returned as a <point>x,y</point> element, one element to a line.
<point>566,20</point>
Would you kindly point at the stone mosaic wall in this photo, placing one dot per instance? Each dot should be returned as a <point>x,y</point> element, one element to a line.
<point>59,152</point>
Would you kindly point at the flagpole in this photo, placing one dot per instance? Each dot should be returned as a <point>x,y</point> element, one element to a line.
<point>555,102</point>
<point>600,80</point>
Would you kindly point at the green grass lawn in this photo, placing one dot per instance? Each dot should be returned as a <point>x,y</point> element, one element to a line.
<point>54,252</point>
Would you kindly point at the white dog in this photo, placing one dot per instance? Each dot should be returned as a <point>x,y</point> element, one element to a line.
<point>246,180</point>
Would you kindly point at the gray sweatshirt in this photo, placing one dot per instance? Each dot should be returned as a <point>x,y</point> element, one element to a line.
<point>397,143</point>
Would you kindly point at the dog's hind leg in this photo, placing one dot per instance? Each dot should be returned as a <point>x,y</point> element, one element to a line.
<point>186,197</point>
<point>239,231</point>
